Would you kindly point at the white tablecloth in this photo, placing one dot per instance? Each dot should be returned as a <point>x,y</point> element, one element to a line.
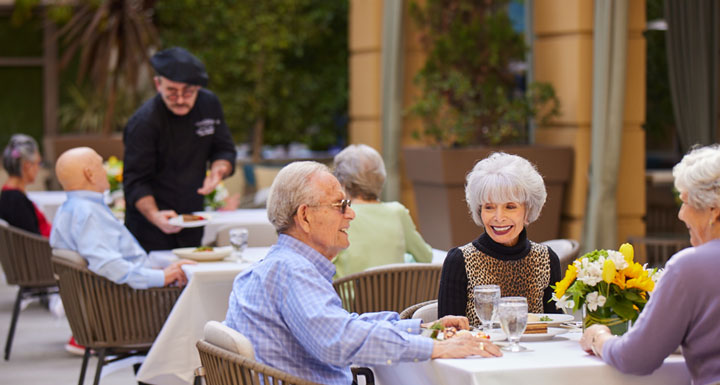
<point>47,201</point>
<point>173,356</point>
<point>560,361</point>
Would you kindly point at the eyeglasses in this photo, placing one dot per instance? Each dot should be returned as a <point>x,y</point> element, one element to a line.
<point>172,94</point>
<point>343,205</point>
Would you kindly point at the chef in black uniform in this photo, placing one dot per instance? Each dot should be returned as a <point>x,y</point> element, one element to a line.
<point>170,142</point>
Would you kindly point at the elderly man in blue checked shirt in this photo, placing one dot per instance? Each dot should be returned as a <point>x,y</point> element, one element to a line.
<point>286,304</point>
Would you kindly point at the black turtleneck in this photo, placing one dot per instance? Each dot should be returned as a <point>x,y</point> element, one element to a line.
<point>452,297</point>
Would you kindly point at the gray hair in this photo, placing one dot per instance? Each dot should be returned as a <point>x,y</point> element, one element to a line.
<point>361,171</point>
<point>698,175</point>
<point>289,190</point>
<point>21,149</point>
<point>502,178</point>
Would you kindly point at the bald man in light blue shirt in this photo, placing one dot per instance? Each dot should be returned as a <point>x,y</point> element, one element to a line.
<point>85,224</point>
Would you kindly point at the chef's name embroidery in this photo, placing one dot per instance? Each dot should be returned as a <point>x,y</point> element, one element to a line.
<point>206,127</point>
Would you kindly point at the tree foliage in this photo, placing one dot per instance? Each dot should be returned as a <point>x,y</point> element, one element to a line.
<point>280,63</point>
<point>468,86</point>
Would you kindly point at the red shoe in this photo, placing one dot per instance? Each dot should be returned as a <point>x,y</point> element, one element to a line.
<point>73,348</point>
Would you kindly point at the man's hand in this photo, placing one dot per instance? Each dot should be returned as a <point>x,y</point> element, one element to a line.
<point>464,345</point>
<point>456,321</point>
<point>219,169</point>
<point>174,272</point>
<point>160,219</point>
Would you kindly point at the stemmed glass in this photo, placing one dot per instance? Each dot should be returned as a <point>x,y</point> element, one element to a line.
<point>239,242</point>
<point>486,298</point>
<point>513,314</point>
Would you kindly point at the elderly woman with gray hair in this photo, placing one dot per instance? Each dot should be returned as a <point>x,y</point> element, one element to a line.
<point>505,193</point>
<point>382,232</point>
<point>21,160</point>
<point>684,308</point>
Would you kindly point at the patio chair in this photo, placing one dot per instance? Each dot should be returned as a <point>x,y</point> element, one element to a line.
<point>392,287</point>
<point>425,311</point>
<point>228,358</point>
<point>566,249</point>
<point>107,318</point>
<point>25,258</point>
<point>657,250</point>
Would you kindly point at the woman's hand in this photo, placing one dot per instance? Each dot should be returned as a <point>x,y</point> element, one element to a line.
<point>594,337</point>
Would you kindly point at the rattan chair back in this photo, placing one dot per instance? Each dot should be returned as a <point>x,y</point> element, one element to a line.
<point>227,363</point>
<point>25,259</point>
<point>106,317</point>
<point>392,288</point>
<point>427,309</point>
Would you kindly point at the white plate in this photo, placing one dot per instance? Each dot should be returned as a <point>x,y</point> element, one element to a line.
<point>498,335</point>
<point>178,221</point>
<point>555,319</point>
<point>217,254</point>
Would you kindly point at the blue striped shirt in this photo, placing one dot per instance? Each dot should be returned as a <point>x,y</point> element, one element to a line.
<point>85,224</point>
<point>286,305</point>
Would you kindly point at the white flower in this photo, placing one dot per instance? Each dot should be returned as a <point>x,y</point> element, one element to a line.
<point>656,275</point>
<point>563,302</point>
<point>594,299</point>
<point>590,273</point>
<point>617,258</point>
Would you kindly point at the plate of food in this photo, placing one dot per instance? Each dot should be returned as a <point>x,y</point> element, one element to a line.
<point>203,253</point>
<point>189,220</point>
<point>549,319</point>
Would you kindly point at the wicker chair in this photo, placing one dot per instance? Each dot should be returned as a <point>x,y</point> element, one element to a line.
<point>107,318</point>
<point>426,311</point>
<point>566,249</point>
<point>392,287</point>
<point>656,250</point>
<point>25,258</point>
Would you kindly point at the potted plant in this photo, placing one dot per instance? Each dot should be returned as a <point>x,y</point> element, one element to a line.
<point>471,105</point>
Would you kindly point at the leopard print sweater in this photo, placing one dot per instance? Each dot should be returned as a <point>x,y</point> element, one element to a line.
<point>526,277</point>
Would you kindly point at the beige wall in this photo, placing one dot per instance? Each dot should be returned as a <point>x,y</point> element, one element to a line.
<point>563,56</point>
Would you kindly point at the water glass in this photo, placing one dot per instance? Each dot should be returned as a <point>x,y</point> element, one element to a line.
<point>486,298</point>
<point>239,242</point>
<point>513,314</point>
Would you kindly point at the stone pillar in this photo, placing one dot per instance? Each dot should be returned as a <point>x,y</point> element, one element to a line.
<point>563,56</point>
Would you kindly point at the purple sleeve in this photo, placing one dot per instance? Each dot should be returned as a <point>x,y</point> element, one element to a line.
<point>657,332</point>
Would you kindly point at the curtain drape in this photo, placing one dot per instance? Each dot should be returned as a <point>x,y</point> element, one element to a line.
<point>392,95</point>
<point>692,51</point>
<point>608,100</point>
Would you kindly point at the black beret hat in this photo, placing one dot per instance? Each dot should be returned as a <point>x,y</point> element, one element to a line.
<point>179,65</point>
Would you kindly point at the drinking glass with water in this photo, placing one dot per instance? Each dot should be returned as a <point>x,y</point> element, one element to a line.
<point>513,314</point>
<point>486,298</point>
<point>239,242</point>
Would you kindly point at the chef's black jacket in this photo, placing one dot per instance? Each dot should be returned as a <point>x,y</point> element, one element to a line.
<point>167,156</point>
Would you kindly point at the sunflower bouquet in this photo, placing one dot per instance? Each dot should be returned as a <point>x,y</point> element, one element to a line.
<point>114,170</point>
<point>609,285</point>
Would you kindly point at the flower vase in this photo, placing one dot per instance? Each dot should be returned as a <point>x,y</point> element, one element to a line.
<point>605,316</point>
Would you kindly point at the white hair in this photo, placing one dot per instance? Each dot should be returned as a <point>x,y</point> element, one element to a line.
<point>289,190</point>
<point>503,178</point>
<point>361,171</point>
<point>698,175</point>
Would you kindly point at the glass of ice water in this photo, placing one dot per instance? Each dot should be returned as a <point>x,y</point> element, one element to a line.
<point>513,314</point>
<point>486,298</point>
<point>239,242</point>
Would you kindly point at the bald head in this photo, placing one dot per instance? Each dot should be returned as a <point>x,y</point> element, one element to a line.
<point>81,168</point>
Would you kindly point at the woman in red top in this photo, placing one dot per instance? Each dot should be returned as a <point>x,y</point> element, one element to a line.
<point>21,160</point>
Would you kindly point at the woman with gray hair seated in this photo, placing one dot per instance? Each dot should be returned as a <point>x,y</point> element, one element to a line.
<point>505,193</point>
<point>21,160</point>
<point>684,308</point>
<point>382,232</point>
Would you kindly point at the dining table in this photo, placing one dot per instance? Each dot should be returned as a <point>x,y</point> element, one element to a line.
<point>173,357</point>
<point>558,360</point>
